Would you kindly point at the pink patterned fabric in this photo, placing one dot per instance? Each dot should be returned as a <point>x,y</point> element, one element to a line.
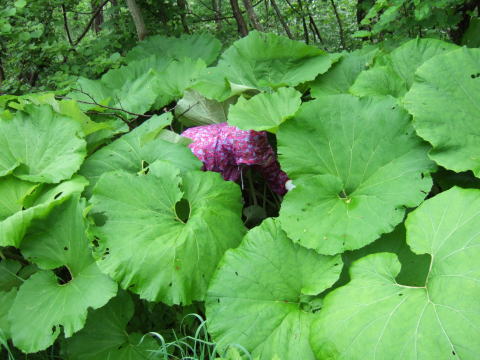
<point>227,149</point>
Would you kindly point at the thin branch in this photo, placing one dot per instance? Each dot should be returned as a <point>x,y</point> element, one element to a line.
<point>65,24</point>
<point>85,31</point>
<point>104,106</point>
<point>340,26</point>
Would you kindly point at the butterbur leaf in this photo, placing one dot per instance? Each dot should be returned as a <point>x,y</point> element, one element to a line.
<point>24,202</point>
<point>356,164</point>
<point>177,76</point>
<point>394,73</point>
<point>6,299</point>
<point>104,335</point>
<point>414,267</point>
<point>40,145</point>
<point>263,294</point>
<point>263,61</point>
<point>134,88</point>
<point>196,46</point>
<point>70,284</point>
<point>131,152</point>
<point>444,103</point>
<point>194,109</point>
<point>342,75</point>
<point>265,111</point>
<point>162,232</point>
<point>373,316</point>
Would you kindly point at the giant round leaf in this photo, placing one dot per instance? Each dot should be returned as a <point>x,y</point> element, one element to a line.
<point>203,46</point>
<point>41,145</point>
<point>44,304</point>
<point>265,111</point>
<point>263,294</point>
<point>356,165</point>
<point>342,75</point>
<point>21,202</point>
<point>263,61</point>
<point>135,150</point>
<point>444,102</point>
<point>105,337</point>
<point>163,233</point>
<point>396,73</point>
<point>374,317</point>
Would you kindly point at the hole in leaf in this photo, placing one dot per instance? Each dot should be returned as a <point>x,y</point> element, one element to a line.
<point>170,285</point>
<point>95,242</point>
<point>65,248</point>
<point>58,195</point>
<point>182,210</point>
<point>63,275</point>
<point>99,219</point>
<point>453,352</point>
<point>236,273</point>
<point>400,294</point>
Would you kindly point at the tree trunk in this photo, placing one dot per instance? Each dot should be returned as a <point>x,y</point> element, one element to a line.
<point>315,28</point>
<point>182,4</point>
<point>2,74</point>
<point>252,16</point>
<point>98,21</point>
<point>304,23</point>
<point>216,5</point>
<point>137,19</point>
<point>340,26</point>
<point>241,25</point>
<point>281,18</point>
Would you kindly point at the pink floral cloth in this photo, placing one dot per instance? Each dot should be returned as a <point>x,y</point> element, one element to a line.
<point>226,149</point>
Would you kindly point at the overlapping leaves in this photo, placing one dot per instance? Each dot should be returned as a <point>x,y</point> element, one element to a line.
<point>263,294</point>
<point>375,317</point>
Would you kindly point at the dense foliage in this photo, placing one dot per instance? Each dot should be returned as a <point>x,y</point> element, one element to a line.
<point>114,244</point>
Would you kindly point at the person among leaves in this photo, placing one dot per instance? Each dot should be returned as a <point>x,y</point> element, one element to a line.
<point>229,150</point>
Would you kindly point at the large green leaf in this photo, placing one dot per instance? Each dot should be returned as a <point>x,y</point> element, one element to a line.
<point>342,75</point>
<point>395,73</point>
<point>265,111</point>
<point>197,46</point>
<point>374,317</point>
<point>263,61</point>
<point>135,150</point>
<point>195,109</point>
<point>41,145</point>
<point>263,294</point>
<point>104,335</point>
<point>158,245</point>
<point>444,102</point>
<point>28,203</point>
<point>356,164</point>
<point>44,304</point>
<point>6,299</point>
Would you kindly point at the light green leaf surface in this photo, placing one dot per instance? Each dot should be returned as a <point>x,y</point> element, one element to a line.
<point>263,294</point>
<point>356,164</point>
<point>196,46</point>
<point>153,250</point>
<point>135,150</point>
<point>104,335</point>
<point>342,75</point>
<point>374,317</point>
<point>6,299</point>
<point>379,81</point>
<point>444,102</point>
<point>265,111</point>
<point>57,241</point>
<point>41,145</point>
<point>194,109</point>
<point>29,203</point>
<point>394,73</point>
<point>262,61</point>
